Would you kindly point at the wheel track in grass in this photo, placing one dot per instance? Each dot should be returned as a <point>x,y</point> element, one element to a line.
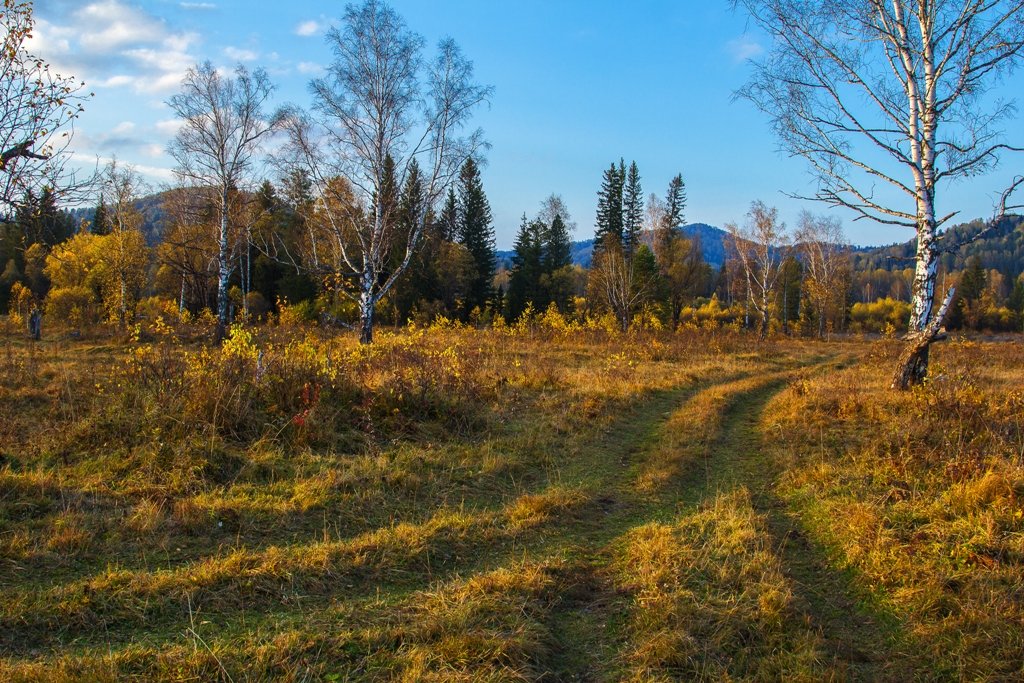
<point>660,478</point>
<point>661,475</point>
<point>857,641</point>
<point>621,441</point>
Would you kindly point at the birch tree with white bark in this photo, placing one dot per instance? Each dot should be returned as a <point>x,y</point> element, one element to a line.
<point>758,246</point>
<point>825,256</point>
<point>127,254</point>
<point>223,126</point>
<point>622,281</point>
<point>890,101</point>
<point>381,105</point>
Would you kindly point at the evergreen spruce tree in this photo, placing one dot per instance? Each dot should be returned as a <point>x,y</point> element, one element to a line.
<point>476,234</point>
<point>680,260</point>
<point>42,222</point>
<point>790,286</point>
<point>419,283</point>
<point>671,218</point>
<point>389,192</point>
<point>412,203</point>
<point>265,270</point>
<point>266,198</point>
<point>973,281</point>
<point>100,219</point>
<point>527,268</point>
<point>556,282</point>
<point>645,272</point>
<point>632,210</point>
<point>675,202</point>
<point>499,299</point>
<point>609,205</point>
<point>295,203</point>
<point>1016,300</point>
<point>557,245</point>
<point>448,222</point>
<point>298,191</point>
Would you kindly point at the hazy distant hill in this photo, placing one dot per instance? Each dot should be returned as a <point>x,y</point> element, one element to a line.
<point>712,242</point>
<point>153,216</point>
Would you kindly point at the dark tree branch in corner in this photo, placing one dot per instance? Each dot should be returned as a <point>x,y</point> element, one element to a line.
<point>24,150</point>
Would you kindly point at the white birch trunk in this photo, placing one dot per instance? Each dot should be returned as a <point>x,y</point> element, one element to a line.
<point>367,304</point>
<point>223,269</point>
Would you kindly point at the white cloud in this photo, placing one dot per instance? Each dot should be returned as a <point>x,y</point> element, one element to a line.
<point>152,173</point>
<point>309,68</point>
<point>109,25</point>
<point>180,42</point>
<point>168,126</point>
<point>116,45</point>
<point>123,128</point>
<point>744,48</point>
<point>308,28</point>
<point>49,39</point>
<point>197,5</point>
<point>165,65</point>
<point>116,81</point>
<point>240,55</point>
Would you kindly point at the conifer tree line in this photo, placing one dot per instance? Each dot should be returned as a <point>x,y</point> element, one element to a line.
<point>99,265</point>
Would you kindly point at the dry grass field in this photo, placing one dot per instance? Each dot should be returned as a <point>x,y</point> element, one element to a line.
<point>520,504</point>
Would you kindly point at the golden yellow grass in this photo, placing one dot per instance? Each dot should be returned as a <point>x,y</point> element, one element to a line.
<point>438,507</point>
<point>708,600</point>
<point>921,494</point>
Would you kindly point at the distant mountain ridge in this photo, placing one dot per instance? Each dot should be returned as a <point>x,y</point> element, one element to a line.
<point>153,216</point>
<point>1000,249</point>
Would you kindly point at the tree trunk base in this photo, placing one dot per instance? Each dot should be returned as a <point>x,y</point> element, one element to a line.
<point>366,328</point>
<point>912,368</point>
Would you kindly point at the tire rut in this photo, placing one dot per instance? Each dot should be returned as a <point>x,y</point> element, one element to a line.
<point>858,642</point>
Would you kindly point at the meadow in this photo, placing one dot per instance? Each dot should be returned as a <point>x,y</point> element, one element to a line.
<point>525,503</point>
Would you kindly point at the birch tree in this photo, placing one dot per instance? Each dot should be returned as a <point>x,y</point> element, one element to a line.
<point>888,101</point>
<point>381,103</point>
<point>188,250</point>
<point>824,253</point>
<point>623,282</point>
<point>757,245</point>
<point>127,251</point>
<point>680,260</point>
<point>223,124</point>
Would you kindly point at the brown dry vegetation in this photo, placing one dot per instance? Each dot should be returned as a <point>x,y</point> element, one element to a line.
<point>515,504</point>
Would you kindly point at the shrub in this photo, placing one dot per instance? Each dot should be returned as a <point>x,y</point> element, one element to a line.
<point>294,315</point>
<point>74,305</point>
<point>883,316</point>
<point>258,306</point>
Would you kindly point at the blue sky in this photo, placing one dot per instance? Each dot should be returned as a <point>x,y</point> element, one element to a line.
<point>577,85</point>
